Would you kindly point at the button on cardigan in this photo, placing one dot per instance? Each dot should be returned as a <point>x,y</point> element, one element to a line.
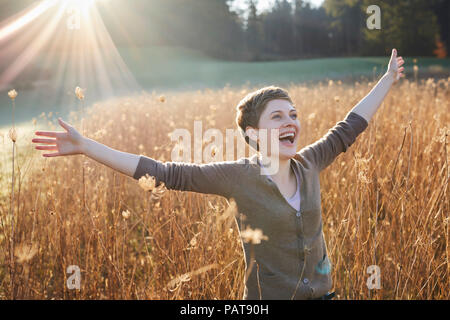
<point>293,263</point>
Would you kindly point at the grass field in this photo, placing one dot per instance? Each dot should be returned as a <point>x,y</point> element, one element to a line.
<point>385,201</point>
<point>47,87</point>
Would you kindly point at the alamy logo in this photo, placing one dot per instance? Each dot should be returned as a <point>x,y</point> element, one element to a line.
<point>213,151</point>
<point>74,281</point>
<point>374,281</point>
<point>373,21</point>
<point>73,22</point>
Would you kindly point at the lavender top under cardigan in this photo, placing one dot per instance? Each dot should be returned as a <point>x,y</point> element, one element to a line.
<point>294,201</point>
<point>293,263</point>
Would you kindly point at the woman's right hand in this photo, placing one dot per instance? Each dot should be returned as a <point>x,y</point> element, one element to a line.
<point>395,69</point>
<point>66,143</point>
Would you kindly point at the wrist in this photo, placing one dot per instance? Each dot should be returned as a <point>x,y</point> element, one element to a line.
<point>390,76</point>
<point>84,145</point>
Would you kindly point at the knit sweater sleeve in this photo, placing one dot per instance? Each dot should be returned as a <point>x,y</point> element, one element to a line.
<point>213,178</point>
<point>337,140</point>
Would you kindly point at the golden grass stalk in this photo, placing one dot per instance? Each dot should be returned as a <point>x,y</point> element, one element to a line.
<point>79,93</point>
<point>179,280</point>
<point>13,136</point>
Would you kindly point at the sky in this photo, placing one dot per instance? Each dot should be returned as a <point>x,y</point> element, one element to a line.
<point>266,4</point>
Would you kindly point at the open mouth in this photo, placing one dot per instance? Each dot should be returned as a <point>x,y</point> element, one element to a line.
<point>287,138</point>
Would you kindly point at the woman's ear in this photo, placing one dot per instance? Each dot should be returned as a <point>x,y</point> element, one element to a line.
<point>251,133</point>
<point>252,137</point>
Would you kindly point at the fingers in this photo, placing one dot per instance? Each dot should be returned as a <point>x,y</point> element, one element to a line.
<point>48,141</point>
<point>51,154</point>
<point>400,74</point>
<point>53,134</point>
<point>64,124</point>
<point>394,53</point>
<point>47,148</point>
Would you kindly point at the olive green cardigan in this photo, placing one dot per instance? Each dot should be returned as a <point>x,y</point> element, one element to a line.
<point>293,263</point>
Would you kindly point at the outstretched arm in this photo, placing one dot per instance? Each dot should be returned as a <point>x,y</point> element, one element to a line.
<point>339,138</point>
<point>115,159</point>
<point>214,178</point>
<point>219,178</point>
<point>71,142</point>
<point>367,107</point>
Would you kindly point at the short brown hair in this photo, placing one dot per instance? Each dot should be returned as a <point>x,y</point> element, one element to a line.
<point>250,108</point>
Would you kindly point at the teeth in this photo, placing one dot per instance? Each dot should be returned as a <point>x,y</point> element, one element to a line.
<point>290,134</point>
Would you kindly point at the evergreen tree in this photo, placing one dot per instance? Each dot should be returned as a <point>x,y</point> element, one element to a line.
<point>279,29</point>
<point>408,25</point>
<point>347,24</point>
<point>254,32</point>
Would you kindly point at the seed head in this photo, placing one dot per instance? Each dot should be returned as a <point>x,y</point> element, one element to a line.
<point>362,177</point>
<point>12,94</point>
<point>25,252</point>
<point>126,214</point>
<point>12,134</point>
<point>158,192</point>
<point>253,236</point>
<point>311,116</point>
<point>147,183</point>
<point>79,93</point>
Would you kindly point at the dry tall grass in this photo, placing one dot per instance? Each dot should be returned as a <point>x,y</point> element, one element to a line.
<point>385,202</point>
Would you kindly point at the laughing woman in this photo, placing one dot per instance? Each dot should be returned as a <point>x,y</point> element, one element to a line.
<point>293,262</point>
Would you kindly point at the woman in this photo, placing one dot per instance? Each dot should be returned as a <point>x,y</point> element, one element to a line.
<point>292,262</point>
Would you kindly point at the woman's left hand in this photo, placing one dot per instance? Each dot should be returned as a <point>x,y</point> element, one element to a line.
<point>395,68</point>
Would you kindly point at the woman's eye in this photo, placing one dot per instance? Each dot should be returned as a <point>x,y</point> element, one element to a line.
<point>277,116</point>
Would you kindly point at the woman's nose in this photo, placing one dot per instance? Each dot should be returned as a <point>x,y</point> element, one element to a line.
<point>290,122</point>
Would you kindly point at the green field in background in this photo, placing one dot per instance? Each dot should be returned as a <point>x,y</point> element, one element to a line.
<point>184,68</point>
<point>164,69</point>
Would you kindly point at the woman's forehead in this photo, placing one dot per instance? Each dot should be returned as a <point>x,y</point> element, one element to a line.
<point>279,104</point>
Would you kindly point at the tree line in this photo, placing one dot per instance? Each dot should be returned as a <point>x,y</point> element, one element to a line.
<point>289,30</point>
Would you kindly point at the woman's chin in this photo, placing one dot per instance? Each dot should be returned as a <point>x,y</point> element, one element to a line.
<point>284,153</point>
<point>287,154</point>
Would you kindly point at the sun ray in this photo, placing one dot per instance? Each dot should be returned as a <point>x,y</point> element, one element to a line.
<point>25,17</point>
<point>27,56</point>
<point>82,54</point>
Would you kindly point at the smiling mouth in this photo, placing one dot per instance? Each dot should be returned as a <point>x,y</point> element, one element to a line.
<point>287,138</point>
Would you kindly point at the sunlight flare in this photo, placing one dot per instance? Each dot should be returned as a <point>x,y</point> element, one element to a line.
<point>72,45</point>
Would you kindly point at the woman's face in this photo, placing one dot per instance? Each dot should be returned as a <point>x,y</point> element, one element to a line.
<point>280,114</point>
